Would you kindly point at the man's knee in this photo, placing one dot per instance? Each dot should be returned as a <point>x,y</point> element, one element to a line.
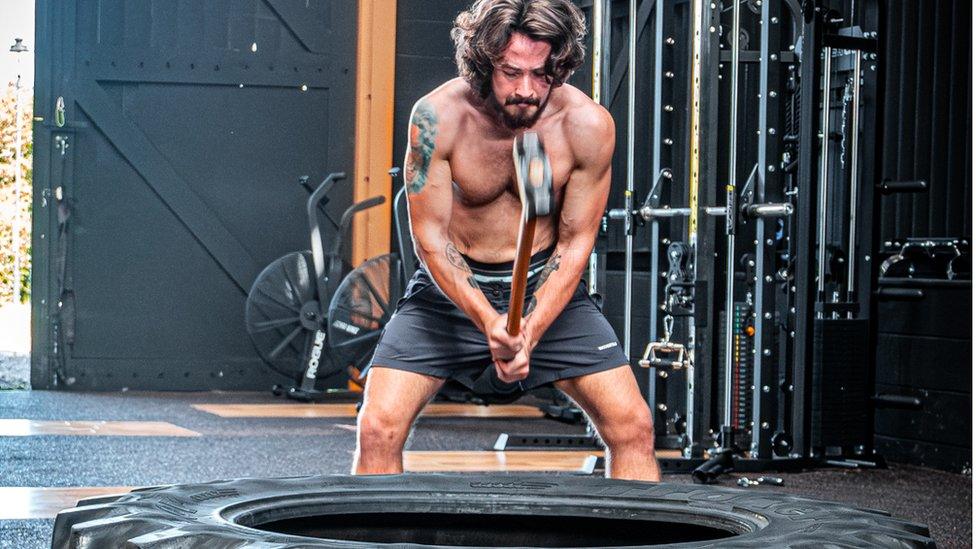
<point>628,428</point>
<point>382,427</point>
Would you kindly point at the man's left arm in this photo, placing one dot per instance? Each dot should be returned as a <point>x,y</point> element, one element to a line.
<point>591,137</point>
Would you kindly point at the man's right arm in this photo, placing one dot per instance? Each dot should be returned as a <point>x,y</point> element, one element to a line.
<point>430,199</point>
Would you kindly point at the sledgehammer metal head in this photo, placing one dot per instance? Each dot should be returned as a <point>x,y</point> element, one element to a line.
<point>534,175</point>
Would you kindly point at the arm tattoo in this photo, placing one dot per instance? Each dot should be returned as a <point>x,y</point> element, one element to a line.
<point>551,265</point>
<point>423,130</point>
<point>454,257</point>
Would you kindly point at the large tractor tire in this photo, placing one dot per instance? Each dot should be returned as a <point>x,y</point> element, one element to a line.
<point>470,511</point>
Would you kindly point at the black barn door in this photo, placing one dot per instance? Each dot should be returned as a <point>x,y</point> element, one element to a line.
<point>173,179</point>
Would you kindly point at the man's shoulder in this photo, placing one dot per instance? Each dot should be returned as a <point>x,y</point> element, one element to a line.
<point>586,124</point>
<point>448,100</point>
<point>584,115</point>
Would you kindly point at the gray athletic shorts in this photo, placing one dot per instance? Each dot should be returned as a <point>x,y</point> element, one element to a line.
<point>429,335</point>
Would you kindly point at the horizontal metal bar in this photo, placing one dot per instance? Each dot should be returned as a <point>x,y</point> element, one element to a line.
<point>769,210</point>
<point>844,463</point>
<point>927,242</point>
<point>506,441</point>
<point>752,56</point>
<point>891,187</point>
<point>901,294</point>
<point>648,213</point>
<point>897,401</point>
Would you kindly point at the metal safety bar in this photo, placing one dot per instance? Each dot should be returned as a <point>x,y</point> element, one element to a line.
<point>822,191</point>
<point>753,210</point>
<point>769,210</point>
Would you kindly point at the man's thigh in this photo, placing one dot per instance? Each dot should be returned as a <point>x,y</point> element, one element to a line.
<point>398,394</point>
<point>609,395</point>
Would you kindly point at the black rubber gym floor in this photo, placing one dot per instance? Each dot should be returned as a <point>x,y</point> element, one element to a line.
<point>249,447</point>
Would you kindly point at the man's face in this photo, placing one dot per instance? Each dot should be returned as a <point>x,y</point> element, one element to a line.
<point>519,85</point>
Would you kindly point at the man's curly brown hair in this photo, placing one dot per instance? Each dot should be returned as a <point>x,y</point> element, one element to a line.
<point>481,34</point>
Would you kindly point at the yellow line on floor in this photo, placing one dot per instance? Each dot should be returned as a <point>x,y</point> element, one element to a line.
<point>523,461</point>
<point>348,410</point>
<point>31,427</point>
<point>22,503</point>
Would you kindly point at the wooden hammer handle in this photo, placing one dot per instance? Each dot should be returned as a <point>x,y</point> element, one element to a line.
<point>520,274</point>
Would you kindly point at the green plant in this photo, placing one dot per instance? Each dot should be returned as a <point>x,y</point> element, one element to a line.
<point>15,203</point>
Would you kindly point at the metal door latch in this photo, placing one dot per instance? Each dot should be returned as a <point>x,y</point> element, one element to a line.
<point>61,143</point>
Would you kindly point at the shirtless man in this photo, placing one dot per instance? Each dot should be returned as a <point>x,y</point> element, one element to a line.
<point>514,57</point>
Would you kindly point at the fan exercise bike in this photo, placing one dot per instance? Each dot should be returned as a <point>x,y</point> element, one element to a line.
<point>310,314</point>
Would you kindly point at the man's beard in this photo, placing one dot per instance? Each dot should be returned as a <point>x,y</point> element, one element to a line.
<point>520,119</point>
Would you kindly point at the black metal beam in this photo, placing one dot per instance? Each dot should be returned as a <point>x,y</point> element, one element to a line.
<point>870,199</point>
<point>806,215</point>
<point>769,182</point>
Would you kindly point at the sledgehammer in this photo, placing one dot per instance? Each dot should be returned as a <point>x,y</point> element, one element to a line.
<point>534,178</point>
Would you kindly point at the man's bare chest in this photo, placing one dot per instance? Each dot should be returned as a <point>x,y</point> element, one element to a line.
<point>484,172</point>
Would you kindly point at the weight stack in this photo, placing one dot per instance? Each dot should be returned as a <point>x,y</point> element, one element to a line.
<point>741,372</point>
<point>839,399</point>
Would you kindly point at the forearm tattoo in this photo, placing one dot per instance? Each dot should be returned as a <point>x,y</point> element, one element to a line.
<point>455,258</point>
<point>551,265</point>
<point>423,130</point>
